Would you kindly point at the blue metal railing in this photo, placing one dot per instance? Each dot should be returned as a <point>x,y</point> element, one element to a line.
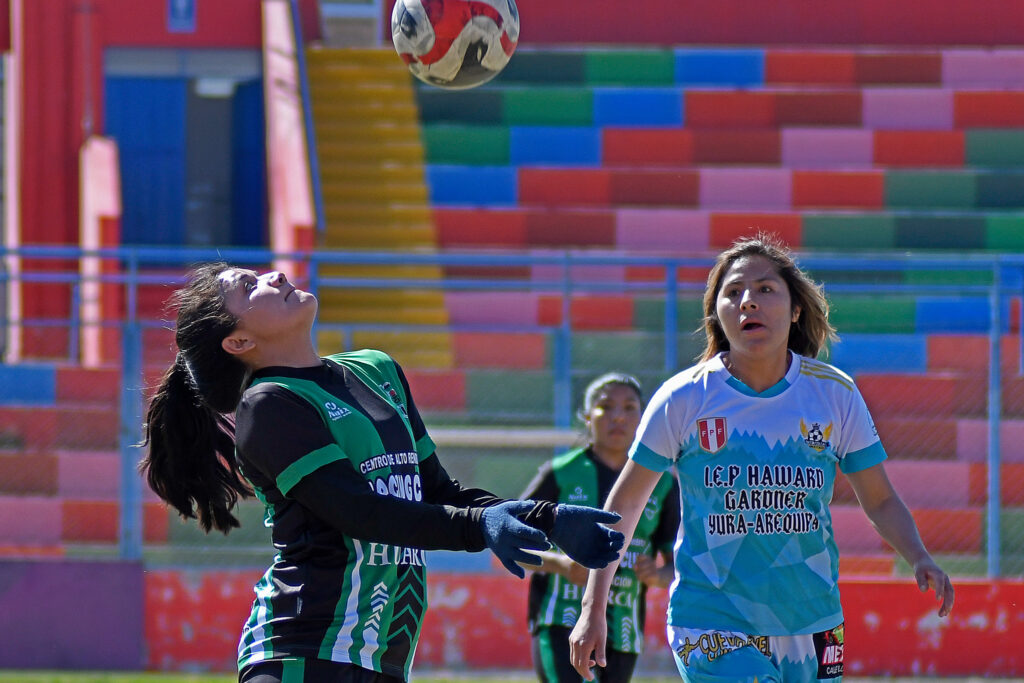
<point>1006,283</point>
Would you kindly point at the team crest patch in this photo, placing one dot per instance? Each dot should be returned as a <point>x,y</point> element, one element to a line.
<point>393,395</point>
<point>712,433</point>
<point>816,436</point>
<point>651,509</point>
<point>336,412</point>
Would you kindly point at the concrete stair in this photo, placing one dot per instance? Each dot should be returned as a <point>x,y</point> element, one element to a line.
<point>375,196</point>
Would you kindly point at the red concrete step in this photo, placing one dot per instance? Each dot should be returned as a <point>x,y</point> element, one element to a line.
<point>608,187</point>
<point>895,67</point>
<point>810,67</point>
<point>88,384</point>
<point>1011,484</point>
<point>29,474</point>
<point>988,109</point>
<point>647,147</point>
<point>480,228</point>
<point>91,521</point>
<point>771,109</point>
<point>922,484</point>
<point>929,438</point>
<point>86,426</point>
<point>726,227</point>
<point>942,530</point>
<point>867,565</point>
<point>565,186</point>
<point>737,146</point>
<point>919,148</point>
<point>970,352</point>
<point>29,520</point>
<point>152,298</point>
<point>949,530</point>
<point>848,67</point>
<point>500,350</point>
<point>839,189</point>
<point>438,390</point>
<point>931,395</point>
<point>608,312</point>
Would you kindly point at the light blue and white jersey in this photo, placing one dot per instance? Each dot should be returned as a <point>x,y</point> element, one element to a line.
<point>755,551</point>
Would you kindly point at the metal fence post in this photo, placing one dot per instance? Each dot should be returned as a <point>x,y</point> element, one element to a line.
<point>671,315</point>
<point>563,354</point>
<point>75,324</point>
<point>994,418</point>
<point>130,534</point>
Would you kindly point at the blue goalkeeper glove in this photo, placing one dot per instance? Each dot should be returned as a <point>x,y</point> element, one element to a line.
<point>508,538</point>
<point>581,533</point>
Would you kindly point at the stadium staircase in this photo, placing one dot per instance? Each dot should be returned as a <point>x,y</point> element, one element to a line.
<point>371,166</point>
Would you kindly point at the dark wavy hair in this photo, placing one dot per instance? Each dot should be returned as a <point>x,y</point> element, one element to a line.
<point>190,462</point>
<point>808,335</point>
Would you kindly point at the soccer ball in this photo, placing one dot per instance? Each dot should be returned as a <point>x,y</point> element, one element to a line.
<point>455,44</point>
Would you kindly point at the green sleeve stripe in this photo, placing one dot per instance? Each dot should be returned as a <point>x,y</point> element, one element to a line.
<point>425,446</point>
<point>310,462</point>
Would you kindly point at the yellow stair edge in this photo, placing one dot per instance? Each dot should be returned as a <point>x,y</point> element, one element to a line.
<point>421,352</point>
<point>371,156</point>
<point>377,316</point>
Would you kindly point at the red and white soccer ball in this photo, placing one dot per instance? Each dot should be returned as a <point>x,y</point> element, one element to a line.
<point>455,44</point>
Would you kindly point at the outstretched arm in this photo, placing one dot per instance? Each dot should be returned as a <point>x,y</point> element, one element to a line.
<point>339,496</point>
<point>627,498</point>
<point>895,524</point>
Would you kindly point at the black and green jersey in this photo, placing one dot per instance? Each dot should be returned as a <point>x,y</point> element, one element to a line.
<point>341,459</point>
<point>580,478</point>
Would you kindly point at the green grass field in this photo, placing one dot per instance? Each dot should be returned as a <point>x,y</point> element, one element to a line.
<point>65,677</point>
<point>433,677</point>
<point>62,677</point>
<point>68,677</point>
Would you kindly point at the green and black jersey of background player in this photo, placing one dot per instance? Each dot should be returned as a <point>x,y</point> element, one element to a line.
<point>580,478</point>
<point>341,459</point>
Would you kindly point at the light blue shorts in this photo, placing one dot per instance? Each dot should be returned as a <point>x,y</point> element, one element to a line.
<point>732,657</point>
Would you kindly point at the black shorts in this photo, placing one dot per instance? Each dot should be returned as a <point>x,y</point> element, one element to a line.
<point>550,650</point>
<point>311,671</point>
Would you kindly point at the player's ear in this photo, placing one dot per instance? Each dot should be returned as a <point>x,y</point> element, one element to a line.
<point>237,343</point>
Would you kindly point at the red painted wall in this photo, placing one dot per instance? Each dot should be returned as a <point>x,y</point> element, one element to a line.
<point>477,621</point>
<point>219,23</point>
<point>62,70</point>
<point>5,25</point>
<point>62,64</point>
<point>780,22</point>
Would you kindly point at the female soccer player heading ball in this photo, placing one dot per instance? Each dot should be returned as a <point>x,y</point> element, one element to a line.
<point>336,450</point>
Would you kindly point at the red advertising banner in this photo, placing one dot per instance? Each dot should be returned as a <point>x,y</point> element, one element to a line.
<point>478,621</point>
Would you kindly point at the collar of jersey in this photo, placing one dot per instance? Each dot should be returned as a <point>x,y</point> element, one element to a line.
<point>310,372</point>
<point>775,389</point>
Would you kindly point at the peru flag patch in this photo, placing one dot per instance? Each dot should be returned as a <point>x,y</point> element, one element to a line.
<point>712,433</point>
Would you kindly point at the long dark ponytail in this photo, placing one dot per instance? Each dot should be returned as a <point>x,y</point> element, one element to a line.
<point>189,430</point>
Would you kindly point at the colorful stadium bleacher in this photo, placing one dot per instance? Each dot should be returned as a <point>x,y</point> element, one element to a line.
<point>644,151</point>
<point>682,151</point>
